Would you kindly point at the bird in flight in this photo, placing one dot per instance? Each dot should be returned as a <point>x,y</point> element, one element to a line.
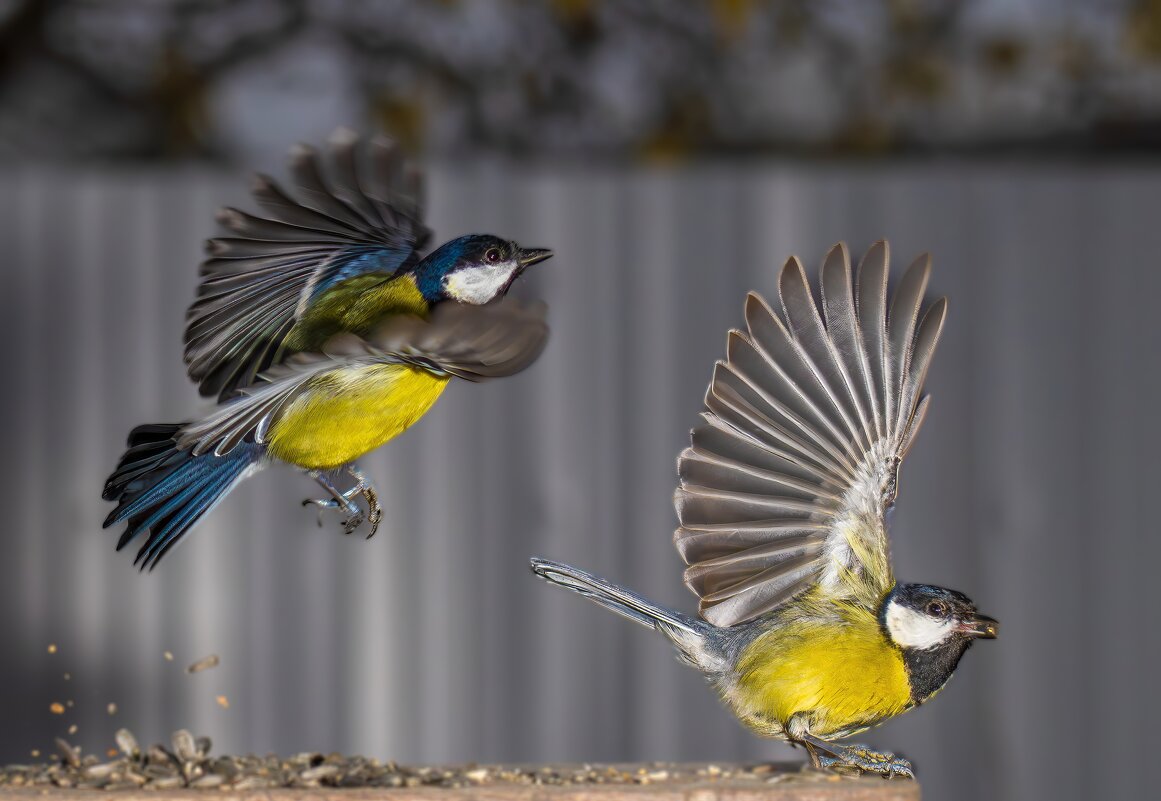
<point>324,328</point>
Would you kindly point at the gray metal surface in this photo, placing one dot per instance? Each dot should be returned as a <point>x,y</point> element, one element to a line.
<point>1029,488</point>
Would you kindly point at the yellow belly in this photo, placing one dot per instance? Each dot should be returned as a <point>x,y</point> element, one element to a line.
<point>842,677</point>
<point>348,413</point>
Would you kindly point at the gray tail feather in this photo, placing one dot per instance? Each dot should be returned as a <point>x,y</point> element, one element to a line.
<point>618,599</point>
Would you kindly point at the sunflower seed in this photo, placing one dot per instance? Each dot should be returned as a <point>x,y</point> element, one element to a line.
<point>184,747</point>
<point>68,753</point>
<point>319,773</point>
<point>209,780</point>
<point>127,743</point>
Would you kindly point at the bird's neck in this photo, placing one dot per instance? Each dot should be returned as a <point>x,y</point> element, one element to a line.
<point>930,668</point>
<point>431,271</point>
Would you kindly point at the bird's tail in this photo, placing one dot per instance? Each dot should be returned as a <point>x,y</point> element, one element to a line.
<point>698,643</point>
<point>164,491</point>
<point>618,599</point>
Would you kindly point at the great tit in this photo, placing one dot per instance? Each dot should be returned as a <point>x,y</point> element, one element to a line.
<point>782,505</point>
<point>323,333</point>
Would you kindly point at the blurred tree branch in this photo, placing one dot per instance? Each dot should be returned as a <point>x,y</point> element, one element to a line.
<point>623,78</point>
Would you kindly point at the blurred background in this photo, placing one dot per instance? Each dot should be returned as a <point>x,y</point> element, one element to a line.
<point>673,154</point>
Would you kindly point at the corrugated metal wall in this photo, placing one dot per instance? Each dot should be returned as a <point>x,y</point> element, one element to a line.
<point>1030,488</point>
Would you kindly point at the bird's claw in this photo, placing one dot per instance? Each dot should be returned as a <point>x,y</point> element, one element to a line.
<point>857,756</point>
<point>355,517</point>
<point>374,510</point>
<point>352,522</point>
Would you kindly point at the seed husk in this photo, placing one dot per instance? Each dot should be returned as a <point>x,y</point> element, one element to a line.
<point>205,663</point>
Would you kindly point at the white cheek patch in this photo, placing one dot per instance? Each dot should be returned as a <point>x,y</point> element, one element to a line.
<point>911,629</point>
<point>479,284</point>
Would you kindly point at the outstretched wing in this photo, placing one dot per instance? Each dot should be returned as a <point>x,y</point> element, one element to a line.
<point>259,279</point>
<point>787,481</point>
<point>472,342</point>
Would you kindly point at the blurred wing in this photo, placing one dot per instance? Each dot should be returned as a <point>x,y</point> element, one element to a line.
<point>471,342</point>
<point>787,482</point>
<point>258,280</point>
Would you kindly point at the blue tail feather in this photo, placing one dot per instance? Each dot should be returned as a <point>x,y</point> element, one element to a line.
<point>164,491</point>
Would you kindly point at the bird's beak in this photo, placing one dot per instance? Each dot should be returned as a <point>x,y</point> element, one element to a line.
<point>530,256</point>
<point>981,627</point>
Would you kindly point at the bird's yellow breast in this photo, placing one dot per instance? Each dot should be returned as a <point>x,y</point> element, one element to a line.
<point>842,676</point>
<point>346,413</point>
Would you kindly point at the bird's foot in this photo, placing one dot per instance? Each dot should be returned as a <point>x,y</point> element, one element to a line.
<point>857,756</point>
<point>826,755</point>
<point>353,516</point>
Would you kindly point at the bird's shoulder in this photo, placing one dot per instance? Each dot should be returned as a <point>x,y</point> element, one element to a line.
<point>357,305</point>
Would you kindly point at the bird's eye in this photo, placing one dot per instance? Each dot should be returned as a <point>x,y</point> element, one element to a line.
<point>492,255</point>
<point>937,609</point>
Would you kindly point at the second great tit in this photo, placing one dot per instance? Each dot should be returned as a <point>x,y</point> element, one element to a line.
<point>324,333</point>
<point>782,506</point>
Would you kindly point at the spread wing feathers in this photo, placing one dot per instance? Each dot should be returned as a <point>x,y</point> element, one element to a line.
<point>786,482</point>
<point>471,342</point>
<point>259,279</point>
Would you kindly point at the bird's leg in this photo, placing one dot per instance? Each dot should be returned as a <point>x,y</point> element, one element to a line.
<point>338,500</point>
<point>855,756</point>
<point>364,488</point>
<point>812,752</point>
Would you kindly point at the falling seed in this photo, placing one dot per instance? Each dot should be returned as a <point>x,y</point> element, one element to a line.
<point>168,656</point>
<point>223,701</point>
<point>69,703</point>
<point>52,648</point>
<point>68,676</point>
<point>211,661</point>
<point>111,709</point>
<point>73,729</point>
<point>56,708</point>
<point>35,753</point>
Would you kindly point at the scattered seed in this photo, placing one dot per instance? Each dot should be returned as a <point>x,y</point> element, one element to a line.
<point>111,708</point>
<point>68,676</point>
<point>211,661</point>
<point>189,765</point>
<point>184,746</point>
<point>223,701</point>
<point>101,770</point>
<point>73,729</point>
<point>52,648</point>
<point>70,754</point>
<point>319,773</point>
<point>69,703</point>
<point>127,743</point>
<point>36,753</point>
<point>168,656</point>
<point>56,708</point>
<point>110,752</point>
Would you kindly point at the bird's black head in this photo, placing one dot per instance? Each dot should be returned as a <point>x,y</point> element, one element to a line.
<point>474,269</point>
<point>932,626</point>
